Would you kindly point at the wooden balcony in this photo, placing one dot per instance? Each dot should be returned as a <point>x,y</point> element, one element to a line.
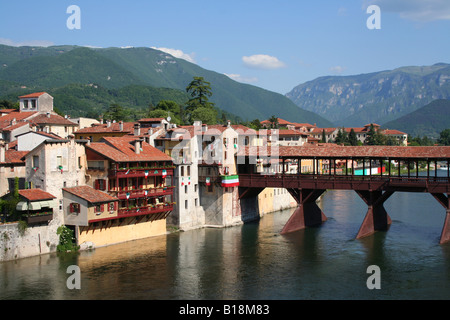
<point>140,172</point>
<point>39,218</point>
<point>146,210</point>
<point>143,193</point>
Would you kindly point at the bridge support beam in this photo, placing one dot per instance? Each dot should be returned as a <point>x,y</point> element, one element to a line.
<point>307,214</point>
<point>376,219</point>
<point>444,200</point>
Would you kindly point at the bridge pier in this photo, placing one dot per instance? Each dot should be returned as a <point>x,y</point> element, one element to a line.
<point>376,219</point>
<point>444,200</point>
<point>308,213</point>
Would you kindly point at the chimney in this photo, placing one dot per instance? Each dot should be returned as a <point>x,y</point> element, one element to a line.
<point>48,114</point>
<point>137,129</point>
<point>137,146</point>
<point>121,125</point>
<point>2,152</point>
<point>13,121</point>
<point>228,123</point>
<point>108,123</point>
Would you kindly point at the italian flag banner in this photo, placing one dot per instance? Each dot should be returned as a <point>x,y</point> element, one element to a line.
<point>230,181</point>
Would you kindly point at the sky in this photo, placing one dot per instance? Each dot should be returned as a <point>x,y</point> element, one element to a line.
<point>275,45</point>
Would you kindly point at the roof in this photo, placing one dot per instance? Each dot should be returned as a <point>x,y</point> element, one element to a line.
<point>36,195</point>
<point>52,119</point>
<point>90,194</point>
<point>14,157</point>
<point>42,133</point>
<point>151,120</point>
<point>32,95</point>
<point>336,151</point>
<point>7,119</point>
<point>122,149</point>
<point>113,127</point>
<point>291,133</point>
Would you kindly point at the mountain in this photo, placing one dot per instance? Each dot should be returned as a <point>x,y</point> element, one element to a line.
<point>114,68</point>
<point>376,97</point>
<point>428,120</point>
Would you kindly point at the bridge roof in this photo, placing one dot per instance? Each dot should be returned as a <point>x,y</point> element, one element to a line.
<point>336,151</point>
<point>343,152</point>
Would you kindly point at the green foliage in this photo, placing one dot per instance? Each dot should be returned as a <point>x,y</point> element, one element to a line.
<point>66,240</point>
<point>444,137</point>
<point>428,120</point>
<point>352,139</point>
<point>205,114</point>
<point>85,81</point>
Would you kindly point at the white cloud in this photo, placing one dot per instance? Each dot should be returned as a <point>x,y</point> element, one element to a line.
<point>177,54</point>
<point>416,10</point>
<point>239,78</point>
<point>262,61</point>
<point>337,69</point>
<point>31,43</point>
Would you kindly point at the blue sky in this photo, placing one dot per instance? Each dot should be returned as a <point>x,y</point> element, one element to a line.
<point>275,45</point>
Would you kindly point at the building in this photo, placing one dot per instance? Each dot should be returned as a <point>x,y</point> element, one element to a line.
<point>138,178</point>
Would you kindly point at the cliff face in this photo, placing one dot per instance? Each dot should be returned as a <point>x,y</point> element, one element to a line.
<point>376,97</point>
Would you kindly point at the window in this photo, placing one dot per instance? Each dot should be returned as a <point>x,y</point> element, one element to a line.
<point>25,104</point>
<point>58,161</point>
<point>196,202</point>
<point>182,171</point>
<point>188,170</point>
<point>33,104</point>
<point>195,187</point>
<point>112,206</point>
<point>185,204</point>
<point>35,161</point>
<point>74,207</point>
<point>100,184</point>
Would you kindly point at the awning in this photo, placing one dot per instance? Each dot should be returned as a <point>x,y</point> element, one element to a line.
<point>36,205</point>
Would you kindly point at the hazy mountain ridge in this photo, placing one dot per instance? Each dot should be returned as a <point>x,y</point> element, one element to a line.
<point>375,97</point>
<point>428,120</point>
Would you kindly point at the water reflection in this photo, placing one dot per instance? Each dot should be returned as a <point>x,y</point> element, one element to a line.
<point>254,261</point>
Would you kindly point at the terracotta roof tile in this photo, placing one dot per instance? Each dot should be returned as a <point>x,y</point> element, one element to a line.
<point>32,95</point>
<point>337,151</point>
<point>52,119</point>
<point>122,149</point>
<point>36,195</point>
<point>90,194</point>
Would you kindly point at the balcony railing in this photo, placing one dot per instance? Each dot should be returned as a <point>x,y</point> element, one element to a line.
<point>141,172</point>
<point>150,209</point>
<point>143,193</point>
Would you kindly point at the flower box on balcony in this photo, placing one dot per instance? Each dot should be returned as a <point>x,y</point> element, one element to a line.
<point>39,218</point>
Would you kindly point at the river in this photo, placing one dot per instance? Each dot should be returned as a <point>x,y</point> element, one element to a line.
<point>253,261</point>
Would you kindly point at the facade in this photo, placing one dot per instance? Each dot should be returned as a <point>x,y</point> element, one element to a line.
<point>136,177</point>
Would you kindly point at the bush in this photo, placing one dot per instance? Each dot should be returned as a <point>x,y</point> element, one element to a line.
<point>66,240</point>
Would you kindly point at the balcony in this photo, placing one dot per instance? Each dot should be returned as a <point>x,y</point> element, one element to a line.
<point>141,172</point>
<point>39,218</point>
<point>145,210</point>
<point>143,193</point>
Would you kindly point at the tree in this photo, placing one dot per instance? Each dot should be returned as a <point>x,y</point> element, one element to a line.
<point>200,92</point>
<point>352,139</point>
<point>374,137</point>
<point>273,122</point>
<point>324,137</point>
<point>444,137</point>
<point>341,137</point>
<point>116,112</point>
<point>205,115</point>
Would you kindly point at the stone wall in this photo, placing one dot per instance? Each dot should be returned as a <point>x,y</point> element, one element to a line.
<point>35,241</point>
